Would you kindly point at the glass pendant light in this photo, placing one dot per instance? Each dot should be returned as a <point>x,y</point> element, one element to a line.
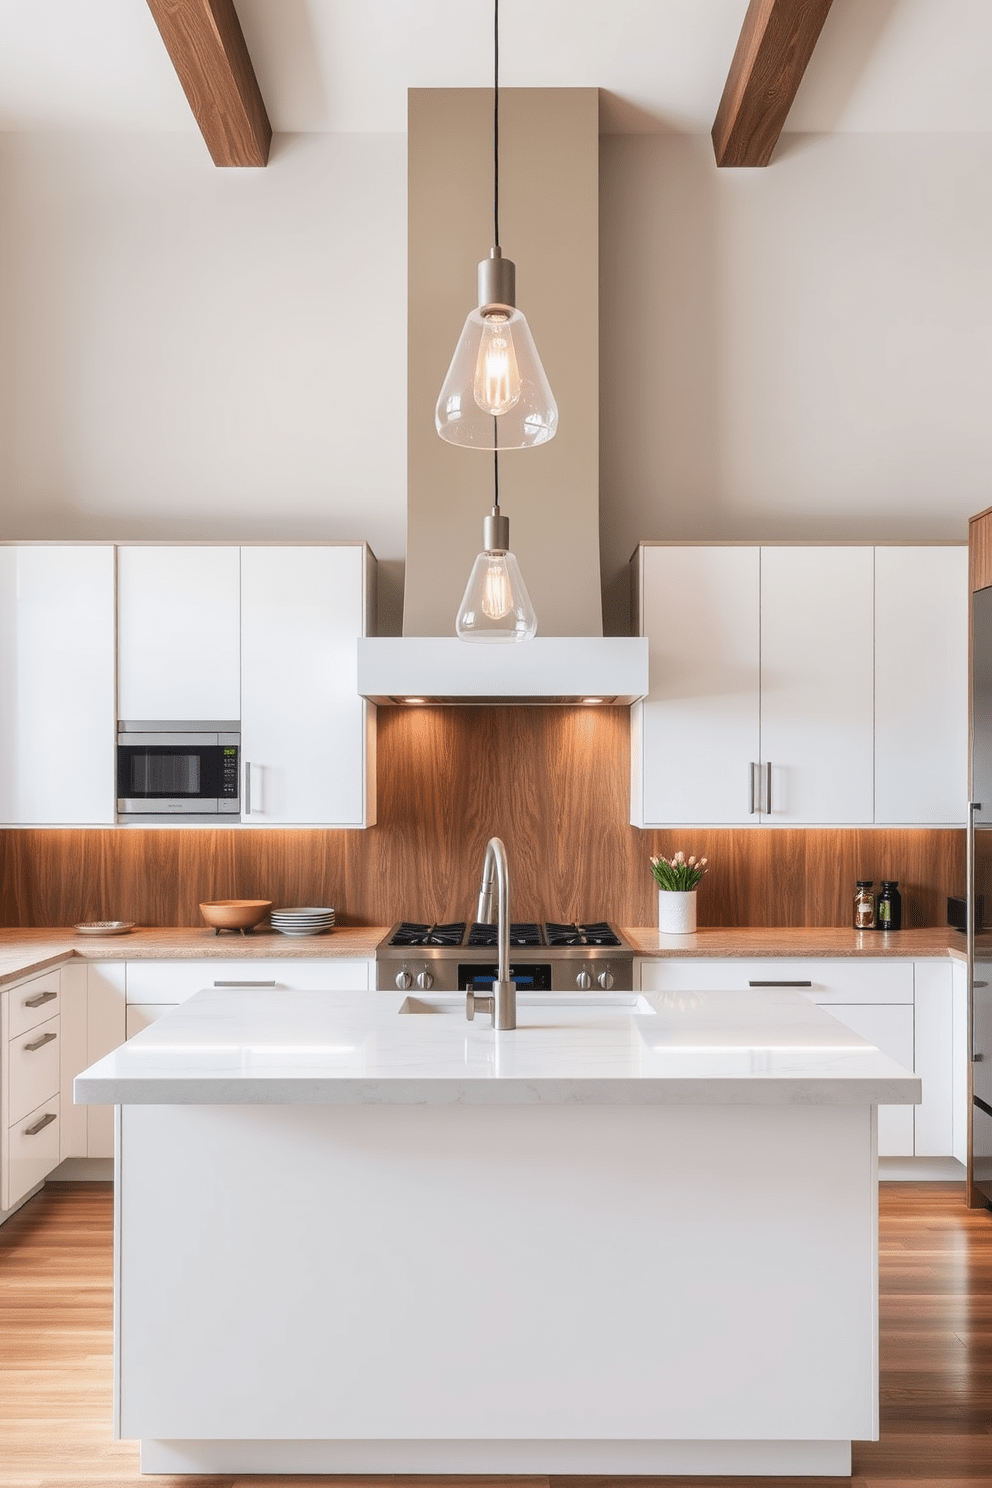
<point>496,605</point>
<point>496,394</point>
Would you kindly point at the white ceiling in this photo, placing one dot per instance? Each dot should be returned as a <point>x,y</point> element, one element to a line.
<point>345,65</point>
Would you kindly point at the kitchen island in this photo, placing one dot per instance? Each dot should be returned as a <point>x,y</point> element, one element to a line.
<point>356,1233</point>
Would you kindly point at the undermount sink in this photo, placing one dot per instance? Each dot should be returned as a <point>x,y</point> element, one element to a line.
<point>624,1003</point>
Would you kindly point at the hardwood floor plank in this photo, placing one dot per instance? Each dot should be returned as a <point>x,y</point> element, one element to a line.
<point>935,1346</point>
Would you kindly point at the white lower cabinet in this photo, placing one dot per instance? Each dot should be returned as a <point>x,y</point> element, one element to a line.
<point>30,1047</point>
<point>93,1025</point>
<point>913,1011</point>
<point>160,984</point>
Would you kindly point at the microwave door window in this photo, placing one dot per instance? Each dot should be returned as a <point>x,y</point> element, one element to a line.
<point>163,773</point>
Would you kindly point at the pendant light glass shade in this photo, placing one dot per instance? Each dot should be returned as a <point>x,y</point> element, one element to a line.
<point>496,605</point>
<point>496,395</point>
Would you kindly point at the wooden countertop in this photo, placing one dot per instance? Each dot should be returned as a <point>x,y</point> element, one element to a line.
<point>25,952</point>
<point>806,941</point>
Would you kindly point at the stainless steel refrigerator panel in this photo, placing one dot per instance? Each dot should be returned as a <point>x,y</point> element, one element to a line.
<point>981,701</point>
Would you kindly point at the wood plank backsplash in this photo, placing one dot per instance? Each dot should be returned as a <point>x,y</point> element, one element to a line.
<point>552,782</point>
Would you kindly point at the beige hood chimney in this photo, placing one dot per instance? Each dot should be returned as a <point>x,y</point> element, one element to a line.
<point>549,226</point>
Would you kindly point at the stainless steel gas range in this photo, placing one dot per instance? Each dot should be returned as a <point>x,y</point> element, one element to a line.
<point>546,957</point>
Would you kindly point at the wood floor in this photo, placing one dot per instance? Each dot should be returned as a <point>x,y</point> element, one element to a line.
<point>936,1353</point>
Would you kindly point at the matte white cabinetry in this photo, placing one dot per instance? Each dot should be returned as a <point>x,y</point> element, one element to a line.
<point>155,986</point>
<point>306,734</point>
<point>93,1025</point>
<point>57,685</point>
<point>921,685</point>
<point>30,1046</point>
<point>694,738</point>
<point>816,684</point>
<point>904,1008</point>
<point>179,633</point>
<point>839,672</point>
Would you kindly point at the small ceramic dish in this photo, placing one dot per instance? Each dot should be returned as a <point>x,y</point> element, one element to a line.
<point>235,914</point>
<point>105,927</point>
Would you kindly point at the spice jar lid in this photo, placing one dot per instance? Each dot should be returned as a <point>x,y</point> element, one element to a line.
<point>890,883</point>
<point>865,883</point>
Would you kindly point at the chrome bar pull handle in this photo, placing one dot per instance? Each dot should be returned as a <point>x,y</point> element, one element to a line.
<point>42,997</point>
<point>767,801</point>
<point>46,1120</point>
<point>244,984</point>
<point>970,926</point>
<point>753,808</point>
<point>780,984</point>
<point>39,1043</point>
<point>247,788</point>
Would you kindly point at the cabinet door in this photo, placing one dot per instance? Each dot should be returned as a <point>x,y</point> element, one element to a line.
<point>105,1031</point>
<point>171,982</point>
<point>921,685</point>
<point>890,1028</point>
<point>303,725</point>
<point>695,735</point>
<point>960,1091</point>
<point>817,683</point>
<point>178,634</point>
<point>57,721</point>
<point>934,1059</point>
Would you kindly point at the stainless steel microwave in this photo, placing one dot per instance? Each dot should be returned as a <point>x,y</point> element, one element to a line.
<point>186,771</point>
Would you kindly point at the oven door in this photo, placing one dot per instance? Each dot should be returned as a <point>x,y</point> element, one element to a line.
<point>164,775</point>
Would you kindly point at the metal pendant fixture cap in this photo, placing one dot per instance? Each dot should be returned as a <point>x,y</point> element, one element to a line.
<point>497,282</point>
<point>496,533</point>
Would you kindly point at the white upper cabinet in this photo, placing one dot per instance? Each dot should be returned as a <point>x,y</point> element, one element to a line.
<point>694,738</point>
<point>921,685</point>
<point>839,672</point>
<point>57,685</point>
<point>816,684</point>
<point>179,644</point>
<point>306,735</point>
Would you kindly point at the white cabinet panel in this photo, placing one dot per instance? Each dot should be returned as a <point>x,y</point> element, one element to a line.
<point>32,1151</point>
<point>57,718</point>
<point>35,1001</point>
<point>303,724</point>
<point>33,1064</point>
<point>826,981</point>
<point>960,1070</point>
<point>890,1029</point>
<point>178,633</point>
<point>173,981</point>
<point>934,1054</point>
<point>72,1017</point>
<point>921,685</point>
<point>143,1014</point>
<point>105,1031</point>
<point>695,735</point>
<point>817,683</point>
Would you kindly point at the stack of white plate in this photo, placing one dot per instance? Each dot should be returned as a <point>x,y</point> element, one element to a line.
<point>302,921</point>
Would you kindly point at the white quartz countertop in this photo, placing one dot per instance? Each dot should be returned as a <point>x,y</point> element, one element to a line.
<point>256,1046</point>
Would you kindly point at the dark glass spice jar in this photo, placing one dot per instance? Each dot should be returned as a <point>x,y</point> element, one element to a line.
<point>888,907</point>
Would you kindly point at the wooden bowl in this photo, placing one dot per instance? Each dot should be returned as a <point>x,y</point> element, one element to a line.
<point>235,914</point>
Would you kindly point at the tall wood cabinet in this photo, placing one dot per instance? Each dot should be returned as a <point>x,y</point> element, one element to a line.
<point>801,686</point>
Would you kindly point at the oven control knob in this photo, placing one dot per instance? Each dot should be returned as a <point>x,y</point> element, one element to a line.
<point>583,980</point>
<point>404,980</point>
<point>605,979</point>
<point>424,981</point>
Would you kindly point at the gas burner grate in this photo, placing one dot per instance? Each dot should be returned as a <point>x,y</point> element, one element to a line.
<point>411,934</point>
<point>520,935</point>
<point>599,934</point>
<point>562,935</point>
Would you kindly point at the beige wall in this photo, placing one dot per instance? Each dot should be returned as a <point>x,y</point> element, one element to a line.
<point>549,217</point>
<point>189,352</point>
<point>795,352</point>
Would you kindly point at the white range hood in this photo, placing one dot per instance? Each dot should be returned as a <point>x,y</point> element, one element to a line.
<point>549,670</point>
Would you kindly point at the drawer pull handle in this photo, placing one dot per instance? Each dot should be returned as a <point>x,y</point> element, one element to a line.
<point>244,984</point>
<point>41,999</point>
<point>32,1131</point>
<point>780,984</point>
<point>39,1043</point>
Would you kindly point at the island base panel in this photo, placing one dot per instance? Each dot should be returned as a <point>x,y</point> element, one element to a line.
<point>544,1273</point>
<point>656,1458</point>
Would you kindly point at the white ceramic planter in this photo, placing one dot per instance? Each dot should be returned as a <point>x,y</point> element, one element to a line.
<point>676,912</point>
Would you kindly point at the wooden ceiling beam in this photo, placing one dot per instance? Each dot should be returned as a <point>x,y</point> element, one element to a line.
<point>773,50</point>
<point>208,51</point>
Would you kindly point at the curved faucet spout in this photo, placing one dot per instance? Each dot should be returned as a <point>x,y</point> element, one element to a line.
<point>495,865</point>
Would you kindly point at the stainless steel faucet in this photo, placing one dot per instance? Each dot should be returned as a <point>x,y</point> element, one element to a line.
<point>503,1002</point>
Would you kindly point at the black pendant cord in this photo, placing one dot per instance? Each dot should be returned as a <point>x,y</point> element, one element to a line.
<point>496,482</point>
<point>495,123</point>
